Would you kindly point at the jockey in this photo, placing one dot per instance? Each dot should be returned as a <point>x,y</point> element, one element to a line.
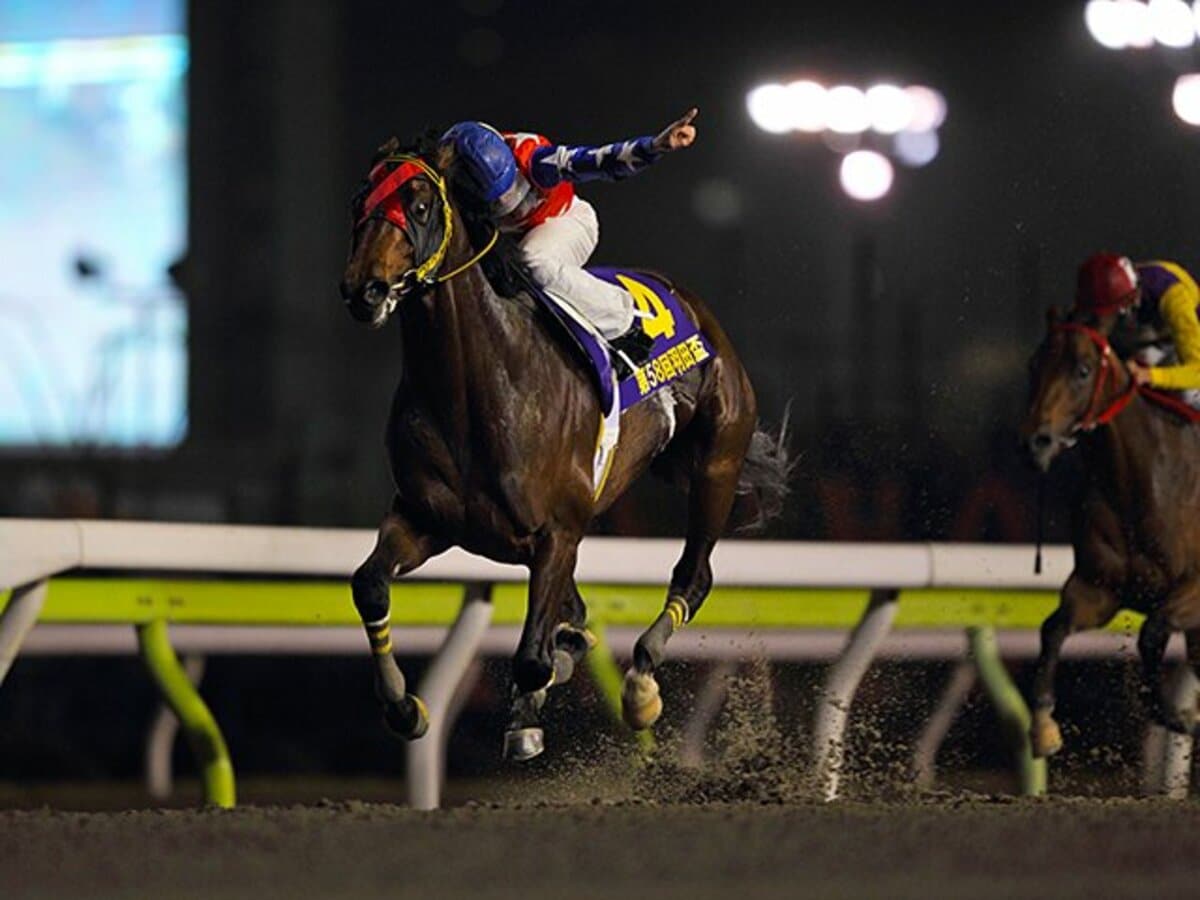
<point>528,184</point>
<point>1158,304</point>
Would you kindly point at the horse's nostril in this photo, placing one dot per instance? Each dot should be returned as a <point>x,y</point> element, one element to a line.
<point>375,292</point>
<point>1040,441</point>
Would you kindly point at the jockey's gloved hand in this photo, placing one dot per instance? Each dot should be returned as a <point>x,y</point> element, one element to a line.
<point>1140,373</point>
<point>679,134</point>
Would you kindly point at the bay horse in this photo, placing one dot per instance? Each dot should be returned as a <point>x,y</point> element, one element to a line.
<point>493,429</point>
<point>1135,531</point>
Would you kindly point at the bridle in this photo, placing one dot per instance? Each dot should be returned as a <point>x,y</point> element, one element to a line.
<point>382,201</point>
<point>1094,416</point>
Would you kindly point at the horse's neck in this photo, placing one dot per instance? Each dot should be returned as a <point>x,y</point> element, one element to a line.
<point>1124,457</point>
<point>455,340</point>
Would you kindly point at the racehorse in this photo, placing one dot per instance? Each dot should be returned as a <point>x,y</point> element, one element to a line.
<point>493,430</point>
<point>1136,534</point>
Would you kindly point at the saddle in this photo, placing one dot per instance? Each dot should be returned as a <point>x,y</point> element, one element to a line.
<point>674,342</point>
<point>676,346</point>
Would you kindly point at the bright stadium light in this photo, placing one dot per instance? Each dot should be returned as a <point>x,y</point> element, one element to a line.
<point>1171,23</point>
<point>890,108</point>
<point>1126,23</point>
<point>916,148</point>
<point>1135,22</point>
<point>847,111</point>
<point>928,108</point>
<point>841,144</point>
<point>770,108</point>
<point>866,175</point>
<point>1186,98</point>
<point>1104,23</point>
<point>809,104</point>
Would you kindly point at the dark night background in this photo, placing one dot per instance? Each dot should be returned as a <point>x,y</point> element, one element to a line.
<point>897,331</point>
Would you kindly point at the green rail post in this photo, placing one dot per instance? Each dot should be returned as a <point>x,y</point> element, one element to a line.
<point>1010,706</point>
<point>198,723</point>
<point>603,666</point>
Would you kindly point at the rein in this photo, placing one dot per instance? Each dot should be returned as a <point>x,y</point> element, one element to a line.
<point>1091,418</point>
<point>382,202</point>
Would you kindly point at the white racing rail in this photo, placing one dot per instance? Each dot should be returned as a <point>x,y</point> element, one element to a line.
<point>34,551</point>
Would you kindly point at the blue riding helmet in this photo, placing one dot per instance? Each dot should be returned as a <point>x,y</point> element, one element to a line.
<point>488,163</point>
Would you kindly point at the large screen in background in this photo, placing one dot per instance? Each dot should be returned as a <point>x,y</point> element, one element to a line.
<point>93,334</point>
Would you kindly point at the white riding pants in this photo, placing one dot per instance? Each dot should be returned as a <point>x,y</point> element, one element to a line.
<point>555,252</point>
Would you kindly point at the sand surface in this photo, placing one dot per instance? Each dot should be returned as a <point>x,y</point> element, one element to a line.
<point>977,846</point>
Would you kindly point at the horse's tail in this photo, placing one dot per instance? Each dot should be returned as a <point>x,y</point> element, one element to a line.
<point>766,473</point>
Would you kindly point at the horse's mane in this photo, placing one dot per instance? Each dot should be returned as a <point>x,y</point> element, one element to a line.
<point>504,266</point>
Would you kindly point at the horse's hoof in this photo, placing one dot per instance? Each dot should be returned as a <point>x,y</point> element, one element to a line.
<point>1045,736</point>
<point>576,641</point>
<point>641,703</point>
<point>564,667</point>
<point>408,719</point>
<point>523,744</point>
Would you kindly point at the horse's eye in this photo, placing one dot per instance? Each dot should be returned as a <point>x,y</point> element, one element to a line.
<point>1083,371</point>
<point>421,209</point>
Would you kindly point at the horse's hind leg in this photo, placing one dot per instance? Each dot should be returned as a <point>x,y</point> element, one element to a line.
<point>399,549</point>
<point>543,656</point>
<point>713,487</point>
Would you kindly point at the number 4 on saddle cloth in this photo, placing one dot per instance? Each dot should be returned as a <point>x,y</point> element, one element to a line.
<point>676,347</point>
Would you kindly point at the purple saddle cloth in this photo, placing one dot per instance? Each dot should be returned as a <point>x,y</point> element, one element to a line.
<point>678,345</point>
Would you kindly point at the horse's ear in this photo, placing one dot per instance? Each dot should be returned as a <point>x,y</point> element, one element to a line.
<point>443,157</point>
<point>1106,322</point>
<point>1054,315</point>
<point>388,147</point>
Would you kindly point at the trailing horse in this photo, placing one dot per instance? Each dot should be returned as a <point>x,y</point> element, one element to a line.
<point>493,430</point>
<point>1135,533</point>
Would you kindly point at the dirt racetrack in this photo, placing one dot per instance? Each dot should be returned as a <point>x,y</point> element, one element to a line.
<point>595,819</point>
<point>977,847</point>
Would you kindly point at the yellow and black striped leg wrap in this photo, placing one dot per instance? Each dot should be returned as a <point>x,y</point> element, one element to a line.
<point>652,645</point>
<point>380,635</point>
<point>677,609</point>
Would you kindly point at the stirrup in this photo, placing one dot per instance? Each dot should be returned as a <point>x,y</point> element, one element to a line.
<point>631,349</point>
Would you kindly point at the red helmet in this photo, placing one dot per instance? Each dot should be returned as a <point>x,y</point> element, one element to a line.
<point>1107,283</point>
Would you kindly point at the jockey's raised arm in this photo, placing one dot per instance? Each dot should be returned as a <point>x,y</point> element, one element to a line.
<point>528,183</point>
<point>551,164</point>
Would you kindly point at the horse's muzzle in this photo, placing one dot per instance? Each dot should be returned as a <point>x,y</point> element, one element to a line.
<point>1042,445</point>
<point>368,303</point>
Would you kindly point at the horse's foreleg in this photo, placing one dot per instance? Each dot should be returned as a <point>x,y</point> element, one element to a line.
<point>1181,611</point>
<point>1045,735</point>
<point>709,504</point>
<point>1083,605</point>
<point>540,661</point>
<point>1152,647</point>
<point>398,549</point>
<point>572,639</point>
